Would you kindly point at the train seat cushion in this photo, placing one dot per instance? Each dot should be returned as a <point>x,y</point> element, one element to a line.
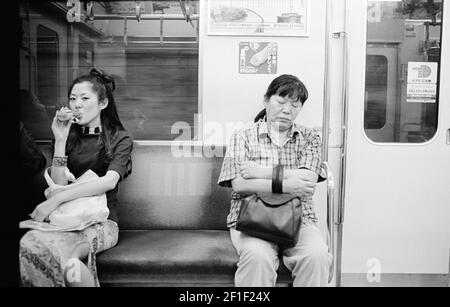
<point>173,256</point>
<point>143,256</point>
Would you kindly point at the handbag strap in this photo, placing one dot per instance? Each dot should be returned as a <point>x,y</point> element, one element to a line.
<point>274,178</point>
<point>272,199</point>
<point>51,183</point>
<point>48,178</point>
<point>277,179</point>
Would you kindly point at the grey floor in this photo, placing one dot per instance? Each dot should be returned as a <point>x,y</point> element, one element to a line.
<point>397,280</point>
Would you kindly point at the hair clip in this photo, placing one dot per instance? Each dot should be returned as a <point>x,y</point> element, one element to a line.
<point>105,78</point>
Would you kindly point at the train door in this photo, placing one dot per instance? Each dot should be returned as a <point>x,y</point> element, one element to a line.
<point>397,196</point>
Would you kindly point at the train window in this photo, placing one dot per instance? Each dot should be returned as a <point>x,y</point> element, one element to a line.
<point>39,78</point>
<point>47,65</point>
<point>150,48</point>
<point>402,70</point>
<point>376,92</point>
<point>85,55</point>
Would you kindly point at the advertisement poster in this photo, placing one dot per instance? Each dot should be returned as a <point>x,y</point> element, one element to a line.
<point>258,17</point>
<point>422,82</point>
<point>258,58</point>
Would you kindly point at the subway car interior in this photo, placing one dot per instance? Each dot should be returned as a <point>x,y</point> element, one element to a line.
<point>188,73</point>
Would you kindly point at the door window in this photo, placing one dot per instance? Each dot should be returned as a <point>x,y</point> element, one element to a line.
<point>402,90</point>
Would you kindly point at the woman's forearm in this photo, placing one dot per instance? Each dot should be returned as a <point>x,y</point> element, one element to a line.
<point>57,172</point>
<point>91,188</point>
<point>266,173</point>
<point>248,186</point>
<point>303,173</point>
<point>297,184</point>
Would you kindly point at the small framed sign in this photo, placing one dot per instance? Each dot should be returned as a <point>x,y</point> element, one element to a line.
<point>422,82</point>
<point>258,58</point>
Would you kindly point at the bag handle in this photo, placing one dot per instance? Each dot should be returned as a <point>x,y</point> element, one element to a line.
<point>273,200</point>
<point>47,177</point>
<point>51,183</point>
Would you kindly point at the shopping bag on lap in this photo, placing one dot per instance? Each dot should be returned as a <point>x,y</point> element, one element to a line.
<point>76,214</point>
<point>78,211</point>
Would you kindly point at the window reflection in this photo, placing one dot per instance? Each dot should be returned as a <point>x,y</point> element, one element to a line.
<point>47,63</point>
<point>376,92</point>
<point>150,47</point>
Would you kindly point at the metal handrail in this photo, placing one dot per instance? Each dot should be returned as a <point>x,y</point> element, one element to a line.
<point>325,137</point>
<point>331,209</point>
<point>145,17</point>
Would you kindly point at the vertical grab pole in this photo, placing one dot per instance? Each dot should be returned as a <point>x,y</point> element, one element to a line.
<point>326,85</point>
<point>448,267</point>
<point>325,137</point>
<point>330,219</point>
<point>161,31</point>
<point>344,141</point>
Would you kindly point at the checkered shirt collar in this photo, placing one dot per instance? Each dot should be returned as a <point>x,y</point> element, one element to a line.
<point>263,131</point>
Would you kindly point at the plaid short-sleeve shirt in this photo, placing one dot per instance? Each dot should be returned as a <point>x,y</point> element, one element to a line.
<point>302,149</point>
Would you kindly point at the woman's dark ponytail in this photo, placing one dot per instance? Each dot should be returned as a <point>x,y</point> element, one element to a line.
<point>260,115</point>
<point>107,80</point>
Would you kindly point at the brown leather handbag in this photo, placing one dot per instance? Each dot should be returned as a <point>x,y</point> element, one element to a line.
<point>273,217</point>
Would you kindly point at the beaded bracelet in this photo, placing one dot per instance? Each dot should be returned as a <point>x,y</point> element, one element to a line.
<point>59,161</point>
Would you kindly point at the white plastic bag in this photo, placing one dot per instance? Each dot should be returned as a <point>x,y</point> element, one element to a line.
<point>80,211</point>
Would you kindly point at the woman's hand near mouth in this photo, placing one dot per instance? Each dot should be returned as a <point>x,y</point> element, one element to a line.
<point>64,114</point>
<point>61,124</point>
